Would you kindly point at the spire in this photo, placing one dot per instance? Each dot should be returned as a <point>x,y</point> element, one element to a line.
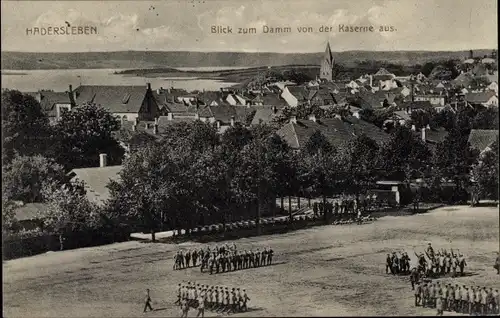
<point>327,64</point>
<point>328,54</point>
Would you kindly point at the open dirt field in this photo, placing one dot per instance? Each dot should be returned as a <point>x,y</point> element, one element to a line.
<point>329,270</point>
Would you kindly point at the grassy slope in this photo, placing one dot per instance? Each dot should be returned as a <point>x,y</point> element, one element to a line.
<point>329,270</point>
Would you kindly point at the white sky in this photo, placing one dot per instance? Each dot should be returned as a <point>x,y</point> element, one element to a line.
<point>185,25</point>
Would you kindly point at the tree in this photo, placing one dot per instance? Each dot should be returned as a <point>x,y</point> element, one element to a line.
<point>318,143</point>
<point>359,157</point>
<point>152,188</point>
<point>485,174</point>
<point>82,134</point>
<point>8,214</point>
<point>486,119</point>
<point>404,156</point>
<point>24,177</point>
<point>259,174</point>
<point>445,119</point>
<point>25,127</point>
<point>454,157</point>
<point>68,210</point>
<point>420,118</point>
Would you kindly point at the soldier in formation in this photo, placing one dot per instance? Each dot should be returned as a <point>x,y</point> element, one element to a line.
<point>215,298</point>
<point>472,300</point>
<point>441,263</point>
<point>397,264</point>
<point>230,259</point>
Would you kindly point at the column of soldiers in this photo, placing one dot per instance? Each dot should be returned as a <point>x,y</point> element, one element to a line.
<point>223,259</point>
<point>460,299</point>
<point>397,264</point>
<point>216,298</point>
<point>343,209</point>
<point>442,263</point>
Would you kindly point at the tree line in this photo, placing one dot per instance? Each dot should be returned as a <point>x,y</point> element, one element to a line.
<point>192,176</point>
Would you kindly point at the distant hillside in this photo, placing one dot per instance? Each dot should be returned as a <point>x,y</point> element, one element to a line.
<point>155,59</point>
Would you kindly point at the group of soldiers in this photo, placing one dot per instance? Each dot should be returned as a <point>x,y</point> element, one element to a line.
<point>216,298</point>
<point>223,259</point>
<point>460,299</point>
<point>441,263</point>
<point>397,264</point>
<point>345,208</point>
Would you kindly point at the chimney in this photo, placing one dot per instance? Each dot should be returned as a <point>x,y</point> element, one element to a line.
<point>274,109</point>
<point>149,86</point>
<point>170,116</point>
<point>371,80</point>
<point>413,128</point>
<point>218,124</point>
<point>155,129</point>
<point>312,117</point>
<point>232,120</point>
<point>293,119</point>
<point>156,121</point>
<point>136,121</point>
<point>134,127</point>
<point>423,134</point>
<point>103,160</point>
<point>39,97</point>
<point>147,125</point>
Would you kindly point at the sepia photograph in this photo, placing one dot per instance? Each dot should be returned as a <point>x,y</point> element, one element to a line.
<point>250,158</point>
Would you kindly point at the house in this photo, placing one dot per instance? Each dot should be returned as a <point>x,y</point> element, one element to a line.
<point>321,97</point>
<point>482,139</point>
<point>337,130</point>
<point>29,216</point>
<point>434,99</point>
<point>293,95</point>
<point>264,115</point>
<point>53,104</point>
<point>96,180</point>
<point>486,98</point>
<point>125,102</point>
<point>226,115</point>
<point>493,87</point>
<point>410,106</point>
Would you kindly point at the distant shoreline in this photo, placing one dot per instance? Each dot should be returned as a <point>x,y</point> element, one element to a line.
<point>10,72</point>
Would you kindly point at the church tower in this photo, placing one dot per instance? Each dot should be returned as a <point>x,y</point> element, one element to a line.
<point>327,63</point>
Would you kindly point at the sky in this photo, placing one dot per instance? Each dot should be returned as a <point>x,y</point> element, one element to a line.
<point>175,25</point>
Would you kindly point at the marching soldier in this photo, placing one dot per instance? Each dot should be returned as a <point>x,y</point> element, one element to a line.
<point>147,305</point>
<point>201,302</point>
<point>451,298</point>
<point>457,298</point>
<point>234,301</point>
<point>471,299</point>
<point>257,258</point>
<point>461,264</point>
<point>413,278</point>
<point>195,257</point>
<point>240,299</point>
<point>188,258</point>
<point>270,253</point>
<point>184,308</point>
<point>245,300</point>
<point>418,292</point>
<point>464,300</point>
<point>179,294</point>
<point>484,301</point>
<point>426,296</point>
<point>439,305</point>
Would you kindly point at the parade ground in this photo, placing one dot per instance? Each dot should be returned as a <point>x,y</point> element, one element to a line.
<point>336,270</point>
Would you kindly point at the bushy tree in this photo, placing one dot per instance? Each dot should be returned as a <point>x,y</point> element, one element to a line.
<point>454,157</point>
<point>486,119</point>
<point>25,127</point>
<point>485,174</point>
<point>82,134</point>
<point>68,210</point>
<point>318,143</point>
<point>24,177</point>
<point>404,156</point>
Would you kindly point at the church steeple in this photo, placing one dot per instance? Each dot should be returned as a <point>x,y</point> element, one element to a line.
<point>327,63</point>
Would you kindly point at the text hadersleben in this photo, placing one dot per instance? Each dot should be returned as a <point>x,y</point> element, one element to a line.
<point>62,30</point>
